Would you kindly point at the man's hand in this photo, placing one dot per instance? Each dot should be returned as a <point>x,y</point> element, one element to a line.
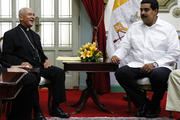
<point>47,64</point>
<point>115,60</point>
<point>26,65</point>
<point>16,69</point>
<point>147,68</point>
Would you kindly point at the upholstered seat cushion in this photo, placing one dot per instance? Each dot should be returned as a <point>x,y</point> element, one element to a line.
<point>144,81</point>
<point>44,81</point>
<point>1,44</point>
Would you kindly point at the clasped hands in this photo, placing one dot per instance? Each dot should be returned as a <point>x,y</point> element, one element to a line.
<point>26,65</point>
<point>146,68</point>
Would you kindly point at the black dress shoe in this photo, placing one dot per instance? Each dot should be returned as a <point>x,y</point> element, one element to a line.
<point>58,112</point>
<point>142,111</point>
<point>39,116</point>
<point>153,113</point>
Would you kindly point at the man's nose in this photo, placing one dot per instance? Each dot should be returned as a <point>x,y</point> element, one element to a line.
<point>142,12</point>
<point>33,17</point>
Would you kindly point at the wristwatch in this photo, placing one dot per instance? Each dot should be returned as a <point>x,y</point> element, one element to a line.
<point>155,64</point>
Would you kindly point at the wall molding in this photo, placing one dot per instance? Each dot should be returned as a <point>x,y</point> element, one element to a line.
<point>165,5</point>
<point>176,12</point>
<point>178,31</point>
<point>105,1</point>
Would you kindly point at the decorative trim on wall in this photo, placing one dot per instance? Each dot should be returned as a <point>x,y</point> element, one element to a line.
<point>165,5</point>
<point>176,12</point>
<point>178,31</point>
<point>105,1</point>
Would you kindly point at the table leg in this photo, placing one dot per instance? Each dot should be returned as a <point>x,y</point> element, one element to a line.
<point>0,108</point>
<point>83,95</point>
<point>82,101</point>
<point>89,92</point>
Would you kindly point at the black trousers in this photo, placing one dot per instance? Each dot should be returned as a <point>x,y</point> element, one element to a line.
<point>21,108</point>
<point>57,77</point>
<point>127,78</point>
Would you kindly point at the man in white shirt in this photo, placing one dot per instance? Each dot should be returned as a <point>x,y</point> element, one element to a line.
<point>154,47</point>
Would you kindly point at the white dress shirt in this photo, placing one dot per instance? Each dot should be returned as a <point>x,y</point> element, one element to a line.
<point>143,44</point>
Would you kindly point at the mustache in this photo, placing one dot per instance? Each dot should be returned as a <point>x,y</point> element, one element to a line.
<point>143,16</point>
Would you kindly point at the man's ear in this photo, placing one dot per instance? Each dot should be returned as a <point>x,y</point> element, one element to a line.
<point>20,17</point>
<point>156,10</point>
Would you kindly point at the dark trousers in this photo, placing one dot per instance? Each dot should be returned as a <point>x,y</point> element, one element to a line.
<point>57,77</point>
<point>127,78</point>
<point>21,108</point>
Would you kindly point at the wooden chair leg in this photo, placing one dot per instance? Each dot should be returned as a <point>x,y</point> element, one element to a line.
<point>49,98</point>
<point>171,114</point>
<point>129,105</point>
<point>8,108</point>
<point>4,106</point>
<point>0,108</point>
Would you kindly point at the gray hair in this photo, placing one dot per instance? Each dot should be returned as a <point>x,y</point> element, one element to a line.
<point>21,11</point>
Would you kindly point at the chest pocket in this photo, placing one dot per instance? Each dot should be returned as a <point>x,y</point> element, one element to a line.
<point>158,43</point>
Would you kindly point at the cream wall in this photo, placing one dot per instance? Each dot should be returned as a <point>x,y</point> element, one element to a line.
<point>165,16</point>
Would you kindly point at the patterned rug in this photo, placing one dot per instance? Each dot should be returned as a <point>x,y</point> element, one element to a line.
<point>108,118</point>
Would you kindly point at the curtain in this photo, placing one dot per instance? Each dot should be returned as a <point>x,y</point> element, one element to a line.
<point>95,10</point>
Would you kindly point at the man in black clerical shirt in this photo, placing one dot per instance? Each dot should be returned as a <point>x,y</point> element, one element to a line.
<point>22,46</point>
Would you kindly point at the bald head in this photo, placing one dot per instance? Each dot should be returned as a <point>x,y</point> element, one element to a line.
<point>22,10</point>
<point>26,17</point>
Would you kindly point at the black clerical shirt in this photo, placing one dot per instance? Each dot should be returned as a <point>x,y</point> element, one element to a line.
<point>29,34</point>
<point>32,41</point>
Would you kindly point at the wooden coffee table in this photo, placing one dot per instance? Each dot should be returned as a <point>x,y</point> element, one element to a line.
<point>89,68</point>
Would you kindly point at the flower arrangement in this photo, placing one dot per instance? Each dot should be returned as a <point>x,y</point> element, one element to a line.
<point>90,53</point>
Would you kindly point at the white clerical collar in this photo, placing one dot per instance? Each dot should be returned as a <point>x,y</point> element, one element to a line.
<point>27,29</point>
